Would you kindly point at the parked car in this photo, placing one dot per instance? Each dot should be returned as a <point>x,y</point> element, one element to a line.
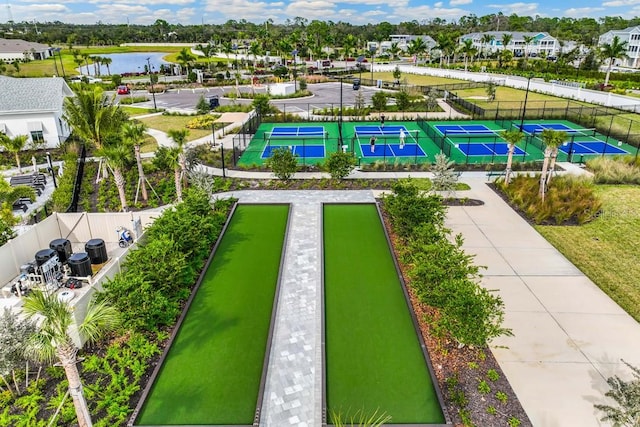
<point>88,79</point>
<point>123,90</point>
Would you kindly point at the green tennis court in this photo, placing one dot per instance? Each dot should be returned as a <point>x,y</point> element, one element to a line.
<point>374,361</point>
<point>212,372</point>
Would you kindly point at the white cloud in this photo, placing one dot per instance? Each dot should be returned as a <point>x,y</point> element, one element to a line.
<point>254,11</point>
<point>410,13</point>
<point>311,9</point>
<point>437,5</point>
<point>459,2</point>
<point>520,9</point>
<point>580,12</point>
<point>616,3</point>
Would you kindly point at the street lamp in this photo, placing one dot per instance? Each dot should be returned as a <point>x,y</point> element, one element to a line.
<point>294,53</point>
<point>153,92</point>
<point>340,117</point>
<point>372,49</point>
<point>524,107</point>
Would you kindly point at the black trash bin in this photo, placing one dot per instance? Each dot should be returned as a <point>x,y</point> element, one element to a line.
<point>62,248</point>
<point>80,264</point>
<point>356,84</point>
<point>97,251</point>
<point>214,101</point>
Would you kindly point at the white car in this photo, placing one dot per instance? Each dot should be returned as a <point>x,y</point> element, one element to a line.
<point>80,79</point>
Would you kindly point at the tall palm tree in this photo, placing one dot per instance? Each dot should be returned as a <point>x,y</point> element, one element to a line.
<point>527,42</point>
<point>394,50</point>
<point>117,157</point>
<point>512,137</point>
<point>468,50</point>
<point>349,43</point>
<point>417,47</point>
<point>14,145</point>
<point>107,61</point>
<point>552,140</point>
<point>133,133</point>
<point>615,50</point>
<point>52,341</point>
<point>486,40</point>
<point>505,40</point>
<point>85,59</point>
<point>179,158</point>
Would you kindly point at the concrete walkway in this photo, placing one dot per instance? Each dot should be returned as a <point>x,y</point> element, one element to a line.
<point>568,335</point>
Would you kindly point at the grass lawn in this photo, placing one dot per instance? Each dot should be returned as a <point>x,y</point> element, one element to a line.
<point>212,372</point>
<point>373,357</point>
<point>134,111</point>
<point>165,123</point>
<point>413,79</point>
<point>607,249</point>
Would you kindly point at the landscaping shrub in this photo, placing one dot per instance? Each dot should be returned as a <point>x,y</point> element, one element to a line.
<point>569,200</point>
<point>442,275</point>
<point>202,122</point>
<point>616,170</point>
<point>61,197</point>
<point>340,164</point>
<point>159,274</point>
<point>283,163</point>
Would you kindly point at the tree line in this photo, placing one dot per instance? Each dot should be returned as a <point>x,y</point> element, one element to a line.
<point>304,33</point>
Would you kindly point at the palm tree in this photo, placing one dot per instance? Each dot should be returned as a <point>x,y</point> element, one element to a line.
<point>52,341</point>
<point>348,44</point>
<point>615,50</point>
<point>92,116</point>
<point>417,47</point>
<point>512,137</point>
<point>85,59</point>
<point>133,133</point>
<point>486,40</point>
<point>527,42</point>
<point>14,145</point>
<point>184,58</point>
<point>394,50</point>
<point>117,157</point>
<point>468,50</point>
<point>179,158</point>
<point>506,39</point>
<point>107,61</point>
<point>552,140</point>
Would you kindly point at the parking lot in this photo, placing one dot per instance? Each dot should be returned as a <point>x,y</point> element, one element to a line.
<point>325,95</point>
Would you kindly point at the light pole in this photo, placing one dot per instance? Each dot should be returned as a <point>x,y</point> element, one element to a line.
<point>213,144</point>
<point>53,175</point>
<point>294,53</point>
<point>372,49</point>
<point>153,92</point>
<point>340,117</point>
<point>524,107</point>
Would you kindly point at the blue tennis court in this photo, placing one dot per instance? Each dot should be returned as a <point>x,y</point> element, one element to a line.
<point>591,147</point>
<point>380,131</point>
<point>296,132</point>
<point>536,128</point>
<point>464,129</point>
<point>392,150</point>
<point>306,151</point>
<point>478,149</point>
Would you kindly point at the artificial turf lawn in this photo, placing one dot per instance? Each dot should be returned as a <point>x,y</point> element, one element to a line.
<point>212,372</point>
<point>373,356</point>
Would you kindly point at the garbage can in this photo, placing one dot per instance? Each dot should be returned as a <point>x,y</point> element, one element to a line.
<point>214,102</point>
<point>356,84</point>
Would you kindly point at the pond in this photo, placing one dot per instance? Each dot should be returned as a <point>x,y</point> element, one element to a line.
<point>123,63</point>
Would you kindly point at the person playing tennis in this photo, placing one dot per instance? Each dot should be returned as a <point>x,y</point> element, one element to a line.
<point>372,143</point>
<point>402,137</point>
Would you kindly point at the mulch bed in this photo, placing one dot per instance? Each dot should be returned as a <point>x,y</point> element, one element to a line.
<point>461,370</point>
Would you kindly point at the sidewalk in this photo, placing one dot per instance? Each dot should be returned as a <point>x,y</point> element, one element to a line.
<point>569,336</point>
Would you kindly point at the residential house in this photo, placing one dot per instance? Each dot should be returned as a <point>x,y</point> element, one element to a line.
<point>542,44</point>
<point>630,35</point>
<point>34,107</point>
<point>19,50</point>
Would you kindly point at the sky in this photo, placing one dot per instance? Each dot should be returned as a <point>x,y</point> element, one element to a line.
<point>357,12</point>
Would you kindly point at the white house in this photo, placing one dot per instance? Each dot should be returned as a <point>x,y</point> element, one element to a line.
<point>18,50</point>
<point>630,35</point>
<point>542,44</point>
<point>34,107</point>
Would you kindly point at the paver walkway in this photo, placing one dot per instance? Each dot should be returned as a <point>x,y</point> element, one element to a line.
<point>293,389</point>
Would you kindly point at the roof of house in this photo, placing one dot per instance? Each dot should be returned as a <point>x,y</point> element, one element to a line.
<point>20,46</point>
<point>516,35</point>
<point>32,94</point>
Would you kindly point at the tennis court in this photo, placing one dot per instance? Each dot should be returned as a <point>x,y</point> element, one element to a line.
<point>388,141</point>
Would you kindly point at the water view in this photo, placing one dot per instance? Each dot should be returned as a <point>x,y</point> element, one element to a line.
<point>123,63</point>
